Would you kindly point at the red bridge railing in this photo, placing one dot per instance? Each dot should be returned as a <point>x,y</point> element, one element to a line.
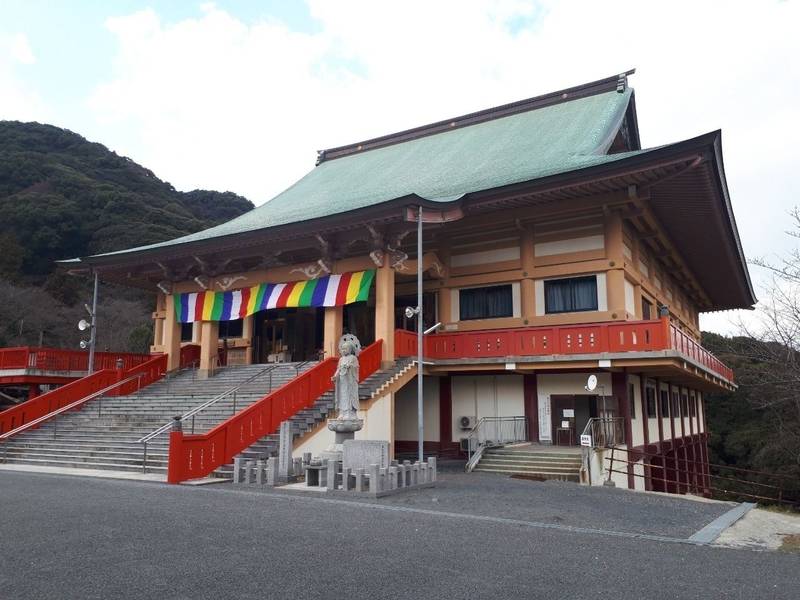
<point>193,456</point>
<point>59,359</point>
<point>625,336</point>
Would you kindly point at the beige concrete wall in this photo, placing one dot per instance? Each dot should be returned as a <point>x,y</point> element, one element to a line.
<point>485,396</point>
<point>405,410</point>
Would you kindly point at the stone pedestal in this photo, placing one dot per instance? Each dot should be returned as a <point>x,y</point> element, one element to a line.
<point>345,429</point>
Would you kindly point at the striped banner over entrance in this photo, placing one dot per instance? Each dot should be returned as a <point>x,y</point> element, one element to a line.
<point>331,290</point>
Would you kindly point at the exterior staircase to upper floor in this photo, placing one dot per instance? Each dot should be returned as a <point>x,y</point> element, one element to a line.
<point>104,433</point>
<point>534,461</point>
<point>379,383</point>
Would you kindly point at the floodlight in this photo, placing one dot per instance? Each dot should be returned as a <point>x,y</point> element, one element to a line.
<point>83,325</point>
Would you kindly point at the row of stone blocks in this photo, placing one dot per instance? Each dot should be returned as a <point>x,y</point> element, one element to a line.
<point>265,472</point>
<point>374,480</point>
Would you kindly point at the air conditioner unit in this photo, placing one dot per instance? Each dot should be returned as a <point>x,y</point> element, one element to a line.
<point>466,423</point>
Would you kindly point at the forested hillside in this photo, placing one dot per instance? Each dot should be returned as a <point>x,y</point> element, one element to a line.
<point>62,196</point>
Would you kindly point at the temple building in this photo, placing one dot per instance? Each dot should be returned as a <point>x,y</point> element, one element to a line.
<point>554,248</point>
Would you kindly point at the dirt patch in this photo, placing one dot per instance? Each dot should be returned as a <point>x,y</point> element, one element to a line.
<point>762,529</point>
<point>791,543</point>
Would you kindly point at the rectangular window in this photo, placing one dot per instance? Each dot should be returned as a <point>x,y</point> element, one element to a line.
<point>664,403</point>
<point>485,303</point>
<point>651,402</point>
<point>632,400</point>
<point>674,408</point>
<point>647,310</point>
<point>575,294</point>
<point>186,332</point>
<point>684,405</point>
<point>231,329</point>
<point>693,406</point>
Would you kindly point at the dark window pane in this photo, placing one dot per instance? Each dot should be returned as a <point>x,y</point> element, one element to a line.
<point>485,303</point>
<point>231,329</point>
<point>651,403</point>
<point>674,408</point>
<point>664,403</point>
<point>570,295</point>
<point>647,310</point>
<point>186,332</point>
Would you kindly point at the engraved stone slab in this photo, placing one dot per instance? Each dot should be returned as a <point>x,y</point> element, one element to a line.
<point>360,454</point>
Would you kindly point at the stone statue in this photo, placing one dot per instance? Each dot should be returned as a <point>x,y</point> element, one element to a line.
<point>346,378</point>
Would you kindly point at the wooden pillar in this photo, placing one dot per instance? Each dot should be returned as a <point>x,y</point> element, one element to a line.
<point>531,400</point>
<point>446,444</point>
<point>527,291</point>
<point>248,326</point>
<point>619,389</point>
<point>615,276</point>
<point>172,336</point>
<point>158,321</point>
<point>384,311</point>
<point>209,347</point>
<point>332,330</point>
<point>660,417</point>
<point>645,431</point>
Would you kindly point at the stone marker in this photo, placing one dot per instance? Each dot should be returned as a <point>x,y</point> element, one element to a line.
<point>432,469</point>
<point>260,465</point>
<point>297,467</point>
<point>362,453</point>
<point>237,469</point>
<point>359,480</point>
<point>393,478</point>
<point>346,479</point>
<point>373,479</point>
<point>285,451</point>
<point>415,473</point>
<point>272,470</point>
<point>332,468</point>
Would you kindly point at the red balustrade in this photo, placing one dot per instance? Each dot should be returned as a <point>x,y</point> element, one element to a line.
<point>193,456</point>
<point>618,336</point>
<point>59,359</point>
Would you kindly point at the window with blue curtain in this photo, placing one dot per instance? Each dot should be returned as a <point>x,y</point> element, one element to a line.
<point>485,303</point>
<point>575,294</point>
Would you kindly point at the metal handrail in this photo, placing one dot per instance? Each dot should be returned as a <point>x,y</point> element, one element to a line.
<point>603,432</point>
<point>197,409</point>
<point>506,430</point>
<point>70,406</point>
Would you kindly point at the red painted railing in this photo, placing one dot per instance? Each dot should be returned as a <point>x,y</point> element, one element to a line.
<point>193,456</point>
<point>625,336</point>
<point>59,359</point>
<point>686,345</point>
<point>151,371</point>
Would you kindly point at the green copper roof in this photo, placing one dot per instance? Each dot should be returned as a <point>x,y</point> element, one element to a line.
<point>445,166</point>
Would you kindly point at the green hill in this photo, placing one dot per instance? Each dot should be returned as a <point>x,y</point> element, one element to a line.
<point>63,196</point>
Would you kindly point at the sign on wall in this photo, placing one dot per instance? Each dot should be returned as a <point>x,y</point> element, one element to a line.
<point>331,290</point>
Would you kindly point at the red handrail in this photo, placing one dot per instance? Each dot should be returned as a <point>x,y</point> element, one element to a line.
<point>619,336</point>
<point>193,456</point>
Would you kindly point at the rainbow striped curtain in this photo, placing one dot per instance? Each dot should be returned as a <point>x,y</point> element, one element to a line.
<point>331,290</point>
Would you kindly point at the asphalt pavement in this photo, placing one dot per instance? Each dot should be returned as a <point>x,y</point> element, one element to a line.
<point>66,537</point>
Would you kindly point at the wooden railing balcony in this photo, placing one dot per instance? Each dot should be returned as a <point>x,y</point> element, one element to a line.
<point>64,361</point>
<point>591,338</point>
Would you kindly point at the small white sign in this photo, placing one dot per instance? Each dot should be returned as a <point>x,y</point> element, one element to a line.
<point>569,413</point>
<point>604,363</point>
<point>586,439</point>
<point>564,424</point>
<point>511,366</point>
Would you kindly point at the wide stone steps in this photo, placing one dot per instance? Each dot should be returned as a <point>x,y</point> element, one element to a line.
<point>539,464</point>
<point>104,434</point>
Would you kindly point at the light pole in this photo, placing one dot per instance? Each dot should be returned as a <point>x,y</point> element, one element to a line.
<point>91,326</point>
<point>420,423</point>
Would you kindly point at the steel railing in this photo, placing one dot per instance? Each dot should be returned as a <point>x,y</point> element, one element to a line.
<point>491,432</point>
<point>191,414</point>
<point>603,432</point>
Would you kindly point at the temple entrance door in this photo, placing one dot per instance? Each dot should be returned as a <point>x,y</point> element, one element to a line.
<point>288,334</point>
<point>570,414</point>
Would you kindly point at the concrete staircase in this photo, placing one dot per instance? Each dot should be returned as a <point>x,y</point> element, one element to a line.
<point>379,383</point>
<point>104,433</point>
<point>536,462</point>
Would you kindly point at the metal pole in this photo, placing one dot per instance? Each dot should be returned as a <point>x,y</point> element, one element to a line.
<point>93,335</point>
<point>420,423</point>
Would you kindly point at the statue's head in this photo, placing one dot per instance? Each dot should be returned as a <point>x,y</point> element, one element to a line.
<point>347,348</point>
<point>349,345</point>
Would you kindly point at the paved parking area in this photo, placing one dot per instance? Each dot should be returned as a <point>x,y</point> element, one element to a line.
<point>69,537</point>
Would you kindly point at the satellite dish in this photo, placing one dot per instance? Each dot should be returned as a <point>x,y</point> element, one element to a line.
<point>591,383</point>
<point>83,325</point>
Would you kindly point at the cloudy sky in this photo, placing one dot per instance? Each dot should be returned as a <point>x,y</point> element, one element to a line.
<point>238,95</point>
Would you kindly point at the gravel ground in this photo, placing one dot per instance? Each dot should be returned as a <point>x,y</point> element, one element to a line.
<point>69,537</point>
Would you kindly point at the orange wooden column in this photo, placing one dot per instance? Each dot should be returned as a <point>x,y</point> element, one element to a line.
<point>332,330</point>
<point>615,276</point>
<point>384,311</point>
<point>172,336</point>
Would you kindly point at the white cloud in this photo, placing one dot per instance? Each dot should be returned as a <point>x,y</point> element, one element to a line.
<point>216,102</point>
<point>17,99</point>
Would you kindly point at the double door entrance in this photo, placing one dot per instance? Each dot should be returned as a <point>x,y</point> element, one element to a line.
<point>569,416</point>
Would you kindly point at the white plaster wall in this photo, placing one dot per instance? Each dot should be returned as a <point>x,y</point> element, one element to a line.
<point>579,244</point>
<point>638,476</point>
<point>636,424</point>
<point>485,257</point>
<point>701,409</point>
<point>568,383</point>
<point>377,426</point>
<point>405,410</point>
<point>600,465</point>
<point>485,396</point>
<point>630,298</point>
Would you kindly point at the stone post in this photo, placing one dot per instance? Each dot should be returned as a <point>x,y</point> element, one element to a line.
<point>272,470</point>
<point>237,470</point>
<point>359,480</point>
<point>333,467</point>
<point>373,479</point>
<point>285,452</point>
<point>432,468</point>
